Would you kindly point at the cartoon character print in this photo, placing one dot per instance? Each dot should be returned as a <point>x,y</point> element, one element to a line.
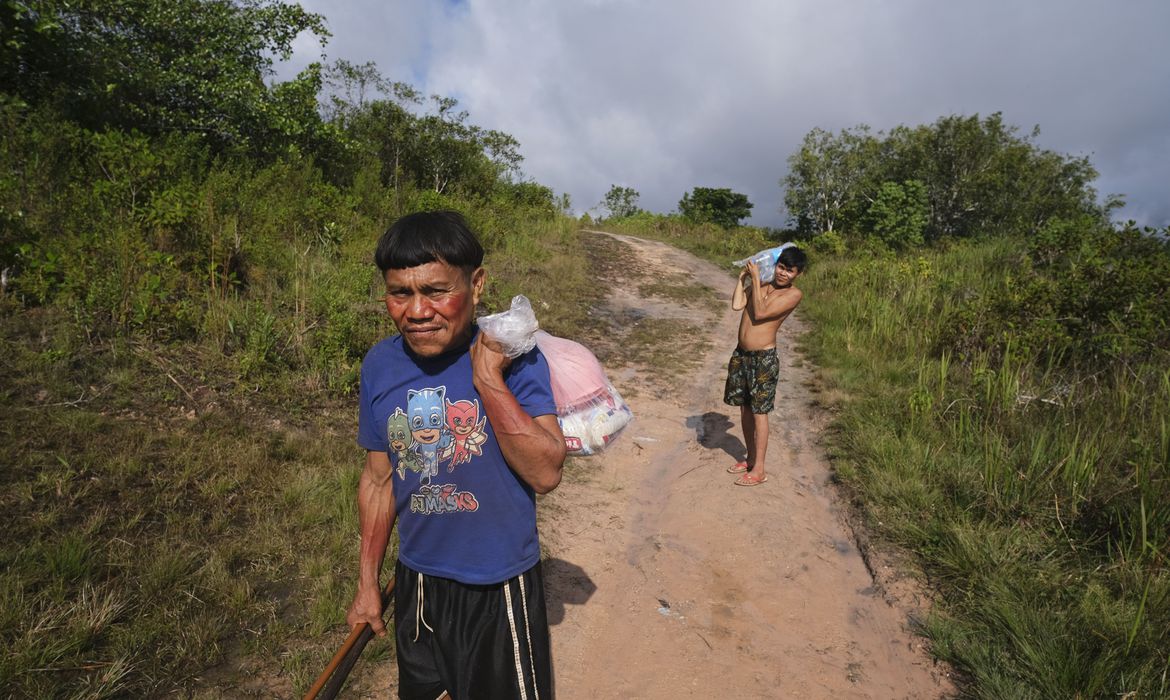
<point>401,440</point>
<point>428,428</point>
<point>466,426</point>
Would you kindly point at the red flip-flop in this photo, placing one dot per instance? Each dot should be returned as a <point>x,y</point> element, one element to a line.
<point>749,480</point>
<point>738,468</point>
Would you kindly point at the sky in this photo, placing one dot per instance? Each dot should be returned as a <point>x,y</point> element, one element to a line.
<point>666,95</point>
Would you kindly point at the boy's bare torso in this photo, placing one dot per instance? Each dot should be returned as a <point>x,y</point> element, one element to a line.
<point>761,334</point>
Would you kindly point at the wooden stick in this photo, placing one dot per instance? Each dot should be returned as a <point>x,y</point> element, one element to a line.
<point>342,662</point>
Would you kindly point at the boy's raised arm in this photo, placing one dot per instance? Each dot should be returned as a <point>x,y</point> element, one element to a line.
<point>739,294</point>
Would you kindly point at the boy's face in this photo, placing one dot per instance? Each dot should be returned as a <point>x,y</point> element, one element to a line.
<point>785,275</point>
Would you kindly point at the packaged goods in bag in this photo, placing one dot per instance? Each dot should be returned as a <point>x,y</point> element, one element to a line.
<point>765,261</point>
<point>514,329</point>
<point>591,411</point>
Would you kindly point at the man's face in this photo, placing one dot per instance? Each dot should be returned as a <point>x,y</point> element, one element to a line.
<point>432,305</point>
<point>785,275</point>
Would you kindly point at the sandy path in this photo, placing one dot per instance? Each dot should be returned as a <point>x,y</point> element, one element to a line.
<point>666,580</point>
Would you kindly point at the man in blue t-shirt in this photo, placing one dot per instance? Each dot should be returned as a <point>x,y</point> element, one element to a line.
<point>458,439</point>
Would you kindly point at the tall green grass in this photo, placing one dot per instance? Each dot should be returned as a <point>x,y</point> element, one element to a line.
<point>144,546</point>
<point>181,511</point>
<point>1037,496</point>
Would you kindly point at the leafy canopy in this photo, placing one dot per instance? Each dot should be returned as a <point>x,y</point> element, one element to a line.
<point>621,201</point>
<point>187,66</point>
<point>719,206</point>
<point>899,214</point>
<point>980,176</point>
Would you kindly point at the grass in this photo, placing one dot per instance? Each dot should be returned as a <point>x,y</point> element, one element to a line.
<point>1036,497</point>
<point>142,543</point>
<point>182,514</point>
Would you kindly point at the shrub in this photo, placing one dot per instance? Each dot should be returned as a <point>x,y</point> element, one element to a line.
<point>1084,292</point>
<point>899,214</point>
<point>828,243</point>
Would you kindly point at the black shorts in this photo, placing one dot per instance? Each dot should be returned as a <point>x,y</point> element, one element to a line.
<point>472,641</point>
<point>751,379</point>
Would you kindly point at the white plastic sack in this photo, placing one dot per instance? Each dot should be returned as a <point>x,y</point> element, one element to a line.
<point>765,261</point>
<point>513,329</point>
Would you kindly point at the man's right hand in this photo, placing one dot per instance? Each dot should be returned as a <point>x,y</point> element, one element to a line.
<point>367,608</point>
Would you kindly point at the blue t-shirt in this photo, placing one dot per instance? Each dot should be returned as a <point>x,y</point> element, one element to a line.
<point>462,513</point>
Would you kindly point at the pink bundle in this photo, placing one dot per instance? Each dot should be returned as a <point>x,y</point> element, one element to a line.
<point>591,411</point>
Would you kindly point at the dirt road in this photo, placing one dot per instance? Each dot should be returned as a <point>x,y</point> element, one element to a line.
<point>666,580</point>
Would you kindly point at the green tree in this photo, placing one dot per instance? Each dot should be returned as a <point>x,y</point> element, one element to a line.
<point>825,184</point>
<point>980,175</point>
<point>719,206</point>
<point>983,178</point>
<point>429,144</point>
<point>349,87</point>
<point>186,66</point>
<point>1087,292</point>
<point>383,130</point>
<point>621,201</point>
<point>899,214</point>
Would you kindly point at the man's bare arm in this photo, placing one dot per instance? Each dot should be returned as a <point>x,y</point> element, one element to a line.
<point>376,515</point>
<point>533,447</point>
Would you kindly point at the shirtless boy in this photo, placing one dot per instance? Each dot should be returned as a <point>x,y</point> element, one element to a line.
<point>753,370</point>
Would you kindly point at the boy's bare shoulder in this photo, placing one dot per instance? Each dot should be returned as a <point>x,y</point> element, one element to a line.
<point>791,293</point>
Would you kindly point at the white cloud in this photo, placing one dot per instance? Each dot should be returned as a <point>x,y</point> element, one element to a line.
<point>665,96</point>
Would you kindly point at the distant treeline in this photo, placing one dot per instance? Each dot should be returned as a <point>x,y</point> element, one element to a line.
<point>1082,289</point>
<point>960,177</point>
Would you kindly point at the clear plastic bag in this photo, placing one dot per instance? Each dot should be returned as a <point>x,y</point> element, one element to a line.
<point>592,427</point>
<point>765,261</point>
<point>513,329</point>
<point>591,411</point>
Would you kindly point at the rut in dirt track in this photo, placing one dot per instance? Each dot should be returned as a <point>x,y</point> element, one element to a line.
<point>666,580</point>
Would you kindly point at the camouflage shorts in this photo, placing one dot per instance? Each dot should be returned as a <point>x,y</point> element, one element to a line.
<point>751,379</point>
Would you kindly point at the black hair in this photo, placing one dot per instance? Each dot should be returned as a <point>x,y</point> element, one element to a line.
<point>793,257</point>
<point>429,236</point>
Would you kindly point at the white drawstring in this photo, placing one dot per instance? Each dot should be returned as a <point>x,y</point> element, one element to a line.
<point>418,613</point>
<point>515,641</point>
<point>528,635</point>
